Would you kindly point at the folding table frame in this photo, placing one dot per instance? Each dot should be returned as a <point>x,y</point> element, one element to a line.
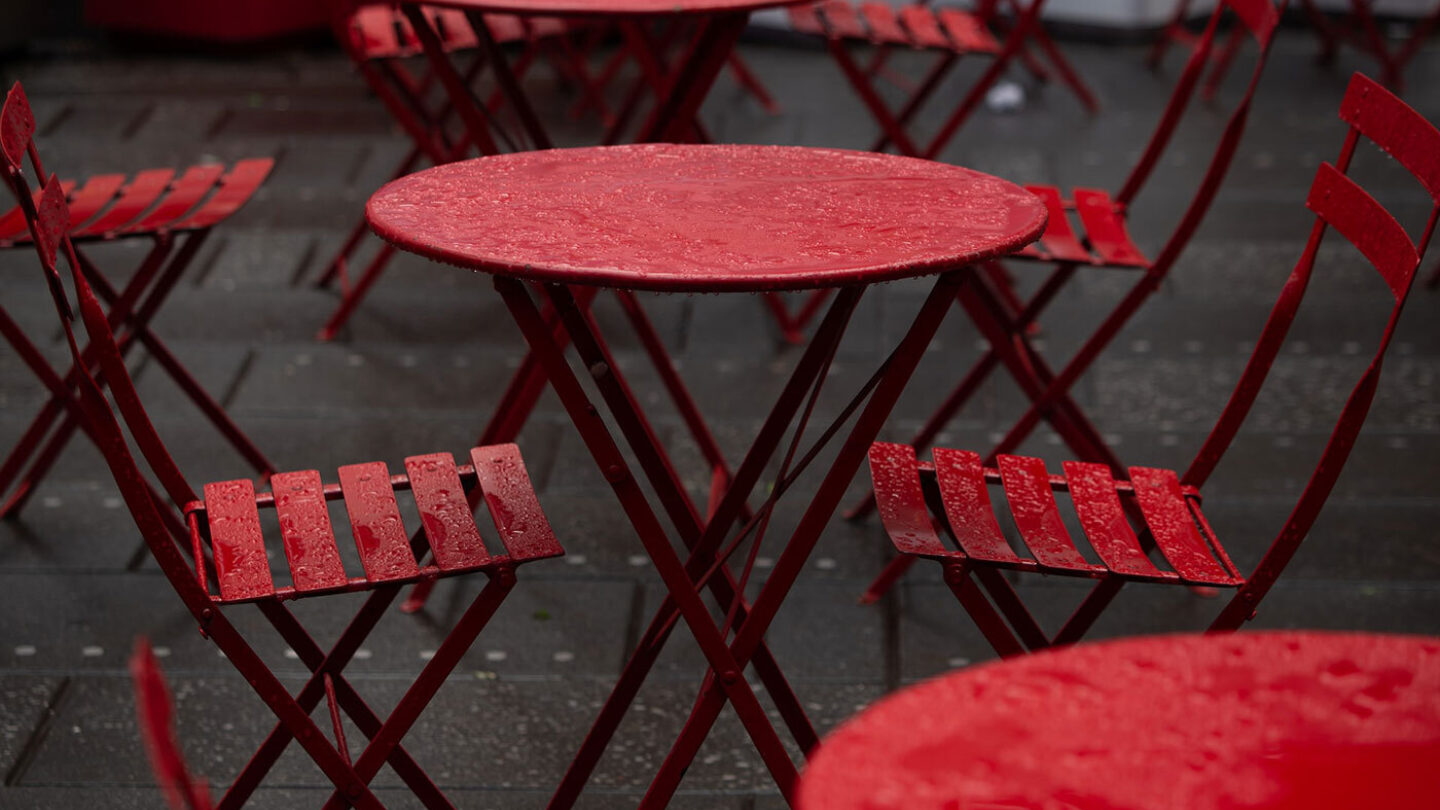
<point>1125,520</point>
<point>713,535</point>
<point>228,521</point>
<point>1103,242</point>
<point>379,39</point>
<point>175,212</point>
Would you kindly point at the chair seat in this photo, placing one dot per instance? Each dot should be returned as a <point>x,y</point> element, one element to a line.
<point>107,206</point>
<point>1170,512</point>
<point>230,518</point>
<point>1104,239</point>
<point>383,32</point>
<point>914,26</point>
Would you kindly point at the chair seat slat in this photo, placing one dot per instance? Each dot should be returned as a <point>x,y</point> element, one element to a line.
<point>375,520</point>
<point>901,501</point>
<point>236,188</point>
<point>195,183</point>
<point>925,30</point>
<point>445,512</point>
<point>306,531</point>
<point>241,565</point>
<point>968,509</point>
<point>1059,238</point>
<point>1168,517</point>
<point>97,192</point>
<point>139,194</point>
<point>1103,518</point>
<point>1106,230</point>
<point>843,21</point>
<point>805,19</point>
<point>510,497</point>
<point>884,27</point>
<point>967,31</point>
<point>1032,502</point>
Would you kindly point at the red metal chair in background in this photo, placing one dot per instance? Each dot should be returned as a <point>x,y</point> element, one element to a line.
<point>1360,30</point>
<point>951,33</point>
<point>1103,241</point>
<point>379,39</point>
<point>1125,519</point>
<point>175,211</point>
<point>155,718</point>
<point>226,544</point>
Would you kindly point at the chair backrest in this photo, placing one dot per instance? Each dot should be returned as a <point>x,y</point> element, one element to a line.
<point>157,730</point>
<point>48,218</point>
<point>1259,18</point>
<point>1340,204</point>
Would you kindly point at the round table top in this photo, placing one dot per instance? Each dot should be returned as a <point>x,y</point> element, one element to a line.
<point>1255,720</point>
<point>705,218</point>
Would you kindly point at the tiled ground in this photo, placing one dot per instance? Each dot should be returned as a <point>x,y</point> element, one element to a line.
<point>424,360</point>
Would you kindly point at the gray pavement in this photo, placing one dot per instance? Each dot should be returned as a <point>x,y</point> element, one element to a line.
<point>426,357</point>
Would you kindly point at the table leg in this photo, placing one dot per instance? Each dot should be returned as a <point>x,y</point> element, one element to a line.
<point>851,455</point>
<point>692,82</point>
<point>509,85</point>
<point>632,498</point>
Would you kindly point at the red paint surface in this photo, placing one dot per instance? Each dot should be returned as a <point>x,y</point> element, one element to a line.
<point>1287,721</point>
<point>449,524</point>
<point>705,218</point>
<point>510,497</point>
<point>611,8</point>
<point>306,531</point>
<point>241,566</point>
<point>380,535</point>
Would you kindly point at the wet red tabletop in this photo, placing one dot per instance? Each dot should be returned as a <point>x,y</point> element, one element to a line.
<point>1256,720</point>
<point>705,218</point>
<point>611,8</point>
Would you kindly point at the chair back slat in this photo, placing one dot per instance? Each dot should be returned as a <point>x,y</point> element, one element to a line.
<point>241,566</point>
<point>1396,128</point>
<point>157,729</point>
<point>379,531</point>
<point>1097,503</point>
<point>1259,16</point>
<point>52,223</point>
<point>1170,523</point>
<point>306,531</point>
<point>1344,206</point>
<point>902,505</point>
<point>510,497</point>
<point>967,506</point>
<point>17,127</point>
<point>1037,516</point>
<point>445,511</point>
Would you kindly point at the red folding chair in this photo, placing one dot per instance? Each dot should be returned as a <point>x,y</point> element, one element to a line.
<point>1102,240</point>
<point>175,212</point>
<point>227,545</point>
<point>1359,30</point>
<point>951,33</point>
<point>1177,31</point>
<point>157,731</point>
<point>380,39</point>
<point>1125,518</point>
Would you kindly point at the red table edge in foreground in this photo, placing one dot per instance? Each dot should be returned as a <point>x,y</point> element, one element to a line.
<point>1275,720</point>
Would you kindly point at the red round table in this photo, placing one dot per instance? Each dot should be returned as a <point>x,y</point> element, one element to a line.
<point>706,219</point>
<point>1255,720</point>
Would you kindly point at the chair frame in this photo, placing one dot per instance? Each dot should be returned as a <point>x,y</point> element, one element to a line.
<point>1166,504</point>
<point>228,520</point>
<point>176,214</point>
<point>1007,321</point>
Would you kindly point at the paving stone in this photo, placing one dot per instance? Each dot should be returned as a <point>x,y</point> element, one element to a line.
<point>26,699</point>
